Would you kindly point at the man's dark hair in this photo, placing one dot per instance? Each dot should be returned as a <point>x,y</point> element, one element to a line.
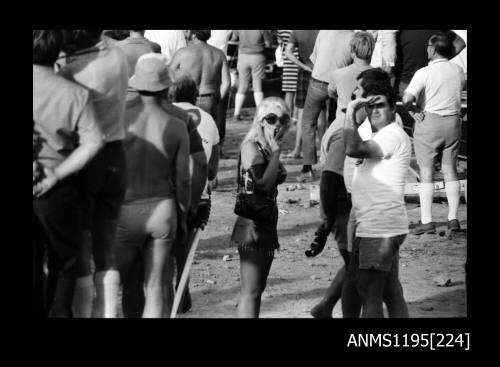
<point>373,75</point>
<point>377,82</point>
<point>152,94</point>
<point>117,34</point>
<point>47,45</point>
<point>78,39</point>
<point>184,89</point>
<point>202,35</point>
<point>442,44</point>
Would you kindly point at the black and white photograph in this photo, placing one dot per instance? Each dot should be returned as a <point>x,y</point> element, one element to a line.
<point>273,174</point>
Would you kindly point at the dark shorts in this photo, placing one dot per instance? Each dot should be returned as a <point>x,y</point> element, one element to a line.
<point>377,253</point>
<point>434,135</point>
<point>339,229</point>
<point>102,184</point>
<point>140,221</point>
<point>221,117</point>
<point>335,208</point>
<point>57,224</point>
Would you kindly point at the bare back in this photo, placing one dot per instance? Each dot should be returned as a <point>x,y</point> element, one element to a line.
<point>152,141</point>
<point>204,63</point>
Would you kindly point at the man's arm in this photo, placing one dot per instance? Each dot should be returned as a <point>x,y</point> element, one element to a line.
<point>213,164</point>
<point>355,146</point>
<point>182,180</point>
<point>234,35</point>
<point>225,77</point>
<point>289,54</point>
<point>199,168</point>
<point>414,89</point>
<point>458,44</point>
<point>175,63</point>
<point>388,47</point>
<point>91,140</point>
<point>332,87</point>
<point>268,38</point>
<point>408,100</point>
<point>314,54</point>
<point>388,50</point>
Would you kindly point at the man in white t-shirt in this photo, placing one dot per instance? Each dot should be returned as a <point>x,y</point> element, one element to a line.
<point>437,90</point>
<point>170,40</point>
<point>378,201</point>
<point>184,94</point>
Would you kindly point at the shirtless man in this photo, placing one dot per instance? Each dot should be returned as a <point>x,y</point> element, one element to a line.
<point>207,65</point>
<point>158,193</point>
<point>133,295</point>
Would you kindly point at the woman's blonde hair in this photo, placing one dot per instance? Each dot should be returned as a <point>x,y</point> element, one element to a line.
<point>268,105</point>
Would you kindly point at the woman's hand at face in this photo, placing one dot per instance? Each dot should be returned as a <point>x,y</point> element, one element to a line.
<point>274,144</point>
<point>276,141</point>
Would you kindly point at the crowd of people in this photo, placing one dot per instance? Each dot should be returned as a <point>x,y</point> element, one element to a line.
<point>128,129</point>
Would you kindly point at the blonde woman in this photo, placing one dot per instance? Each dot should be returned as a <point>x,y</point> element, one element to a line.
<point>260,172</point>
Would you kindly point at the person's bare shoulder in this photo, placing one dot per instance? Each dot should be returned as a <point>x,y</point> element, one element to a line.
<point>250,155</point>
<point>219,53</point>
<point>175,128</point>
<point>180,55</point>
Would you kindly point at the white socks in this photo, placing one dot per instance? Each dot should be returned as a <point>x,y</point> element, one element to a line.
<point>426,194</point>
<point>258,96</point>
<point>238,103</point>
<point>83,297</point>
<point>107,284</point>
<point>453,195</point>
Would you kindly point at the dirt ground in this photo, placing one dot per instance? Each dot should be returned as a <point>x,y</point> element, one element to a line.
<point>296,283</point>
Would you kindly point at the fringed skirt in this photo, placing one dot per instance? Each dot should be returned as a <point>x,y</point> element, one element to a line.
<point>251,236</point>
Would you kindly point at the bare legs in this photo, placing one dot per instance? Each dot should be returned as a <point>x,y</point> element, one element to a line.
<point>298,137</point>
<point>254,269</point>
<point>155,257</point>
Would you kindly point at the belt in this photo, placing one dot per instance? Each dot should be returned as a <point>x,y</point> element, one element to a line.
<point>319,81</point>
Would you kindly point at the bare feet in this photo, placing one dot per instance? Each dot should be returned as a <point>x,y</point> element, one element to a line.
<point>318,312</point>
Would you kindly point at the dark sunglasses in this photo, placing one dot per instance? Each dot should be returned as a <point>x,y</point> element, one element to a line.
<point>377,105</point>
<point>272,119</point>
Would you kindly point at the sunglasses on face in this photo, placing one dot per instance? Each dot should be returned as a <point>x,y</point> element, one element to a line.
<point>272,119</point>
<point>378,106</point>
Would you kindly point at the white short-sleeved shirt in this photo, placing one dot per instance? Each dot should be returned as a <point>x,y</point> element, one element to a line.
<point>438,87</point>
<point>170,40</point>
<point>378,186</point>
<point>206,127</point>
<point>365,132</point>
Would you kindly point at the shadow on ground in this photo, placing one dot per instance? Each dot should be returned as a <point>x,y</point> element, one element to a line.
<point>451,303</point>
